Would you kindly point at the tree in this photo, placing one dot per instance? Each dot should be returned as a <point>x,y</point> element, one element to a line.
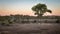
<point>40,9</point>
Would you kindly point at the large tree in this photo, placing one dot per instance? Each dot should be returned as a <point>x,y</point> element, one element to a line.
<point>40,9</point>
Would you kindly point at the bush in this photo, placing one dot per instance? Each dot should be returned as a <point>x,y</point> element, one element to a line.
<point>5,22</point>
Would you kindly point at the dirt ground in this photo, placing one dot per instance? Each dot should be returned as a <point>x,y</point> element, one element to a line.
<point>43,28</point>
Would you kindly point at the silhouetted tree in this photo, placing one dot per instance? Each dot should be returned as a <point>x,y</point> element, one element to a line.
<point>40,9</point>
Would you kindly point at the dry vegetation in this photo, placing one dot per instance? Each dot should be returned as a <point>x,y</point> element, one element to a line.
<point>15,27</point>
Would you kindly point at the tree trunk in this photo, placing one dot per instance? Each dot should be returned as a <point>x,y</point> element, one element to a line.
<point>40,15</point>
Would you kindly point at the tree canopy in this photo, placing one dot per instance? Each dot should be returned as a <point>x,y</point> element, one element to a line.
<point>40,9</point>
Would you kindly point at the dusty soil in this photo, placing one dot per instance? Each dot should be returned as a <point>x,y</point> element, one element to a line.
<point>43,28</point>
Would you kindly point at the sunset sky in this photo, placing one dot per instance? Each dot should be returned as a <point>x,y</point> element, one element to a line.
<point>8,7</point>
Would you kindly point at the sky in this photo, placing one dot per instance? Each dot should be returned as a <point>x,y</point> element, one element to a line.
<point>23,7</point>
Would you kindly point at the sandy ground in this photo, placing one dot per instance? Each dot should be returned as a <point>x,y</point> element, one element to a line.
<point>43,28</point>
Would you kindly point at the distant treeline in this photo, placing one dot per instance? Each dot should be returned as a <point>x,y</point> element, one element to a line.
<point>27,16</point>
<point>6,20</point>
